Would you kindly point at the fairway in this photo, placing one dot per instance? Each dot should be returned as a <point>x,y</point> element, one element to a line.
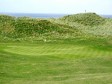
<point>51,63</point>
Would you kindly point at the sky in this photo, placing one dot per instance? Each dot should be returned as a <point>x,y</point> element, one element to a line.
<point>56,6</point>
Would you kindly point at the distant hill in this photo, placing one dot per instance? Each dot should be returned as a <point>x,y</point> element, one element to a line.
<point>90,19</point>
<point>83,25</point>
<point>20,27</point>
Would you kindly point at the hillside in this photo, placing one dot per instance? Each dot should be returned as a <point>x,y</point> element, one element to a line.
<point>84,25</point>
<point>24,27</point>
<point>90,19</point>
<point>91,24</point>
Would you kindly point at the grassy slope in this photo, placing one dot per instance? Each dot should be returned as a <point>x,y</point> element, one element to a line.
<point>23,28</point>
<point>90,24</point>
<point>85,19</point>
<point>80,58</point>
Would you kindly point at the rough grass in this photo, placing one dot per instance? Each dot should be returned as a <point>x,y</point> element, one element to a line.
<point>23,27</point>
<point>101,30</point>
<point>90,19</point>
<point>71,26</point>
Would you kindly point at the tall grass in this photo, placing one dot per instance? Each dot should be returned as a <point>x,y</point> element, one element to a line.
<point>87,25</point>
<point>90,19</point>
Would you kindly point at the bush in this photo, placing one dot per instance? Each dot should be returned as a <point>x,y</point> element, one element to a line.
<point>6,25</point>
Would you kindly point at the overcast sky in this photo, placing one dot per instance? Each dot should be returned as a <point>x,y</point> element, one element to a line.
<point>56,6</point>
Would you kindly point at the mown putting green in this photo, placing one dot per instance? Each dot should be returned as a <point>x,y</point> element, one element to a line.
<point>53,63</point>
<point>58,50</point>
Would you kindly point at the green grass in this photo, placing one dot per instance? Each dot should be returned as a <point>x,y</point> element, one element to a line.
<point>90,19</point>
<point>54,63</point>
<point>77,50</point>
<point>24,27</point>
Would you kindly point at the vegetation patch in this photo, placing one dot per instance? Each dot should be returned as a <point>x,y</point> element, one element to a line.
<point>29,27</point>
<point>90,19</point>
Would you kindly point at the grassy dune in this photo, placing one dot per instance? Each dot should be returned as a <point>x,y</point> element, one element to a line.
<point>67,50</point>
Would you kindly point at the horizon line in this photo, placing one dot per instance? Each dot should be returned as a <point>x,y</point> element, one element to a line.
<point>48,13</point>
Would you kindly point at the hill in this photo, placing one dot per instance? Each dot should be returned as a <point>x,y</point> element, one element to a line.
<point>84,25</point>
<point>25,27</point>
<point>90,19</point>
